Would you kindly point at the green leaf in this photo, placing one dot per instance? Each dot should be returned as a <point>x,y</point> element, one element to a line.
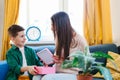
<point>101,55</point>
<point>75,62</point>
<point>66,64</point>
<point>105,72</point>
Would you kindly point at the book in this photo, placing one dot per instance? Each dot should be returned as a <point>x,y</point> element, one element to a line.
<point>46,56</point>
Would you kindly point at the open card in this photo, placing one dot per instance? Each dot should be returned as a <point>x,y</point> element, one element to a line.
<point>46,56</point>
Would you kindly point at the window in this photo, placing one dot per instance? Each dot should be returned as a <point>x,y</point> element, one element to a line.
<point>38,13</point>
<point>75,11</point>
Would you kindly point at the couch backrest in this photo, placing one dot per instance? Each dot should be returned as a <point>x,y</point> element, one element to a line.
<point>104,48</point>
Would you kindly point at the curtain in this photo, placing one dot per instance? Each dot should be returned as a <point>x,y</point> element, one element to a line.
<point>10,17</point>
<point>97,22</point>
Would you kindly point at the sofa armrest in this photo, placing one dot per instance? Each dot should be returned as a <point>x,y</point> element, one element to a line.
<point>3,69</point>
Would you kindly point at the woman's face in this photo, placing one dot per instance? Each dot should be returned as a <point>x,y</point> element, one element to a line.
<point>52,27</point>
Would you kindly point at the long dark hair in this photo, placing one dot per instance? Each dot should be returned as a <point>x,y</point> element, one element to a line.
<point>63,31</point>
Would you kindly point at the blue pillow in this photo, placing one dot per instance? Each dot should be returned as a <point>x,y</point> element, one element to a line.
<point>3,69</point>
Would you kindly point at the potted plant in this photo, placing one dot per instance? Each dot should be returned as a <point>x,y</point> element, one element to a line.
<point>86,62</point>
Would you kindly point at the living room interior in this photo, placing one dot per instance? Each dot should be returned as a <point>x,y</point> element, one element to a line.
<point>102,20</point>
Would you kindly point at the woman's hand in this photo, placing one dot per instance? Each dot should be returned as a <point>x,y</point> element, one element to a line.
<point>57,60</point>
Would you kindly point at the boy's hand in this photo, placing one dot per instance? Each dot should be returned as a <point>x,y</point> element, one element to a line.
<point>32,70</point>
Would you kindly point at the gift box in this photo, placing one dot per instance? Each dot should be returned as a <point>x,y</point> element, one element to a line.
<point>45,70</point>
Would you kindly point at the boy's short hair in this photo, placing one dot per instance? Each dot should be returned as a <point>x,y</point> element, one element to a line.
<point>14,29</point>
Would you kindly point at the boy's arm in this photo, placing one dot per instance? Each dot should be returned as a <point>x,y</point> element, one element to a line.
<point>13,64</point>
<point>30,69</point>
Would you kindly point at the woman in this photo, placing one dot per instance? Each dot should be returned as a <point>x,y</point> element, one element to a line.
<point>66,42</point>
<point>66,39</point>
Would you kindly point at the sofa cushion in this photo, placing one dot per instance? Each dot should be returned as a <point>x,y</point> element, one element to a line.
<point>116,58</point>
<point>114,71</point>
<point>3,69</point>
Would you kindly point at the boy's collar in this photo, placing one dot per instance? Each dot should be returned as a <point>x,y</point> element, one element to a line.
<point>15,47</point>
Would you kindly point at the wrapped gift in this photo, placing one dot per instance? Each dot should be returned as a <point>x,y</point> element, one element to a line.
<point>45,70</point>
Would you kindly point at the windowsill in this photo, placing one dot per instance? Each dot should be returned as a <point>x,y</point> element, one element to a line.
<point>35,43</point>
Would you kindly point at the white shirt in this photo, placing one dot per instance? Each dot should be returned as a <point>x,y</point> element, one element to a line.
<point>24,59</point>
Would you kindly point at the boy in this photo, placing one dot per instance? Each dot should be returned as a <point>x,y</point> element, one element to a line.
<point>20,58</point>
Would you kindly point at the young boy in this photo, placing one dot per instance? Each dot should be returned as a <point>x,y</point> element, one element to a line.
<point>20,58</point>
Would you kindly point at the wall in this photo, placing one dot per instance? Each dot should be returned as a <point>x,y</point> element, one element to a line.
<point>1,21</point>
<point>115,15</point>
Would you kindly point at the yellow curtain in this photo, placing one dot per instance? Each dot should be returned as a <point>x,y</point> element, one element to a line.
<point>10,17</point>
<point>97,22</point>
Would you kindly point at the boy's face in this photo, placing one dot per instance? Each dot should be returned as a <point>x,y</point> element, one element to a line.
<point>19,40</point>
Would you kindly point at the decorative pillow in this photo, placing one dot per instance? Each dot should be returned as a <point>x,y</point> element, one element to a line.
<point>98,75</point>
<point>116,58</point>
<point>114,71</point>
